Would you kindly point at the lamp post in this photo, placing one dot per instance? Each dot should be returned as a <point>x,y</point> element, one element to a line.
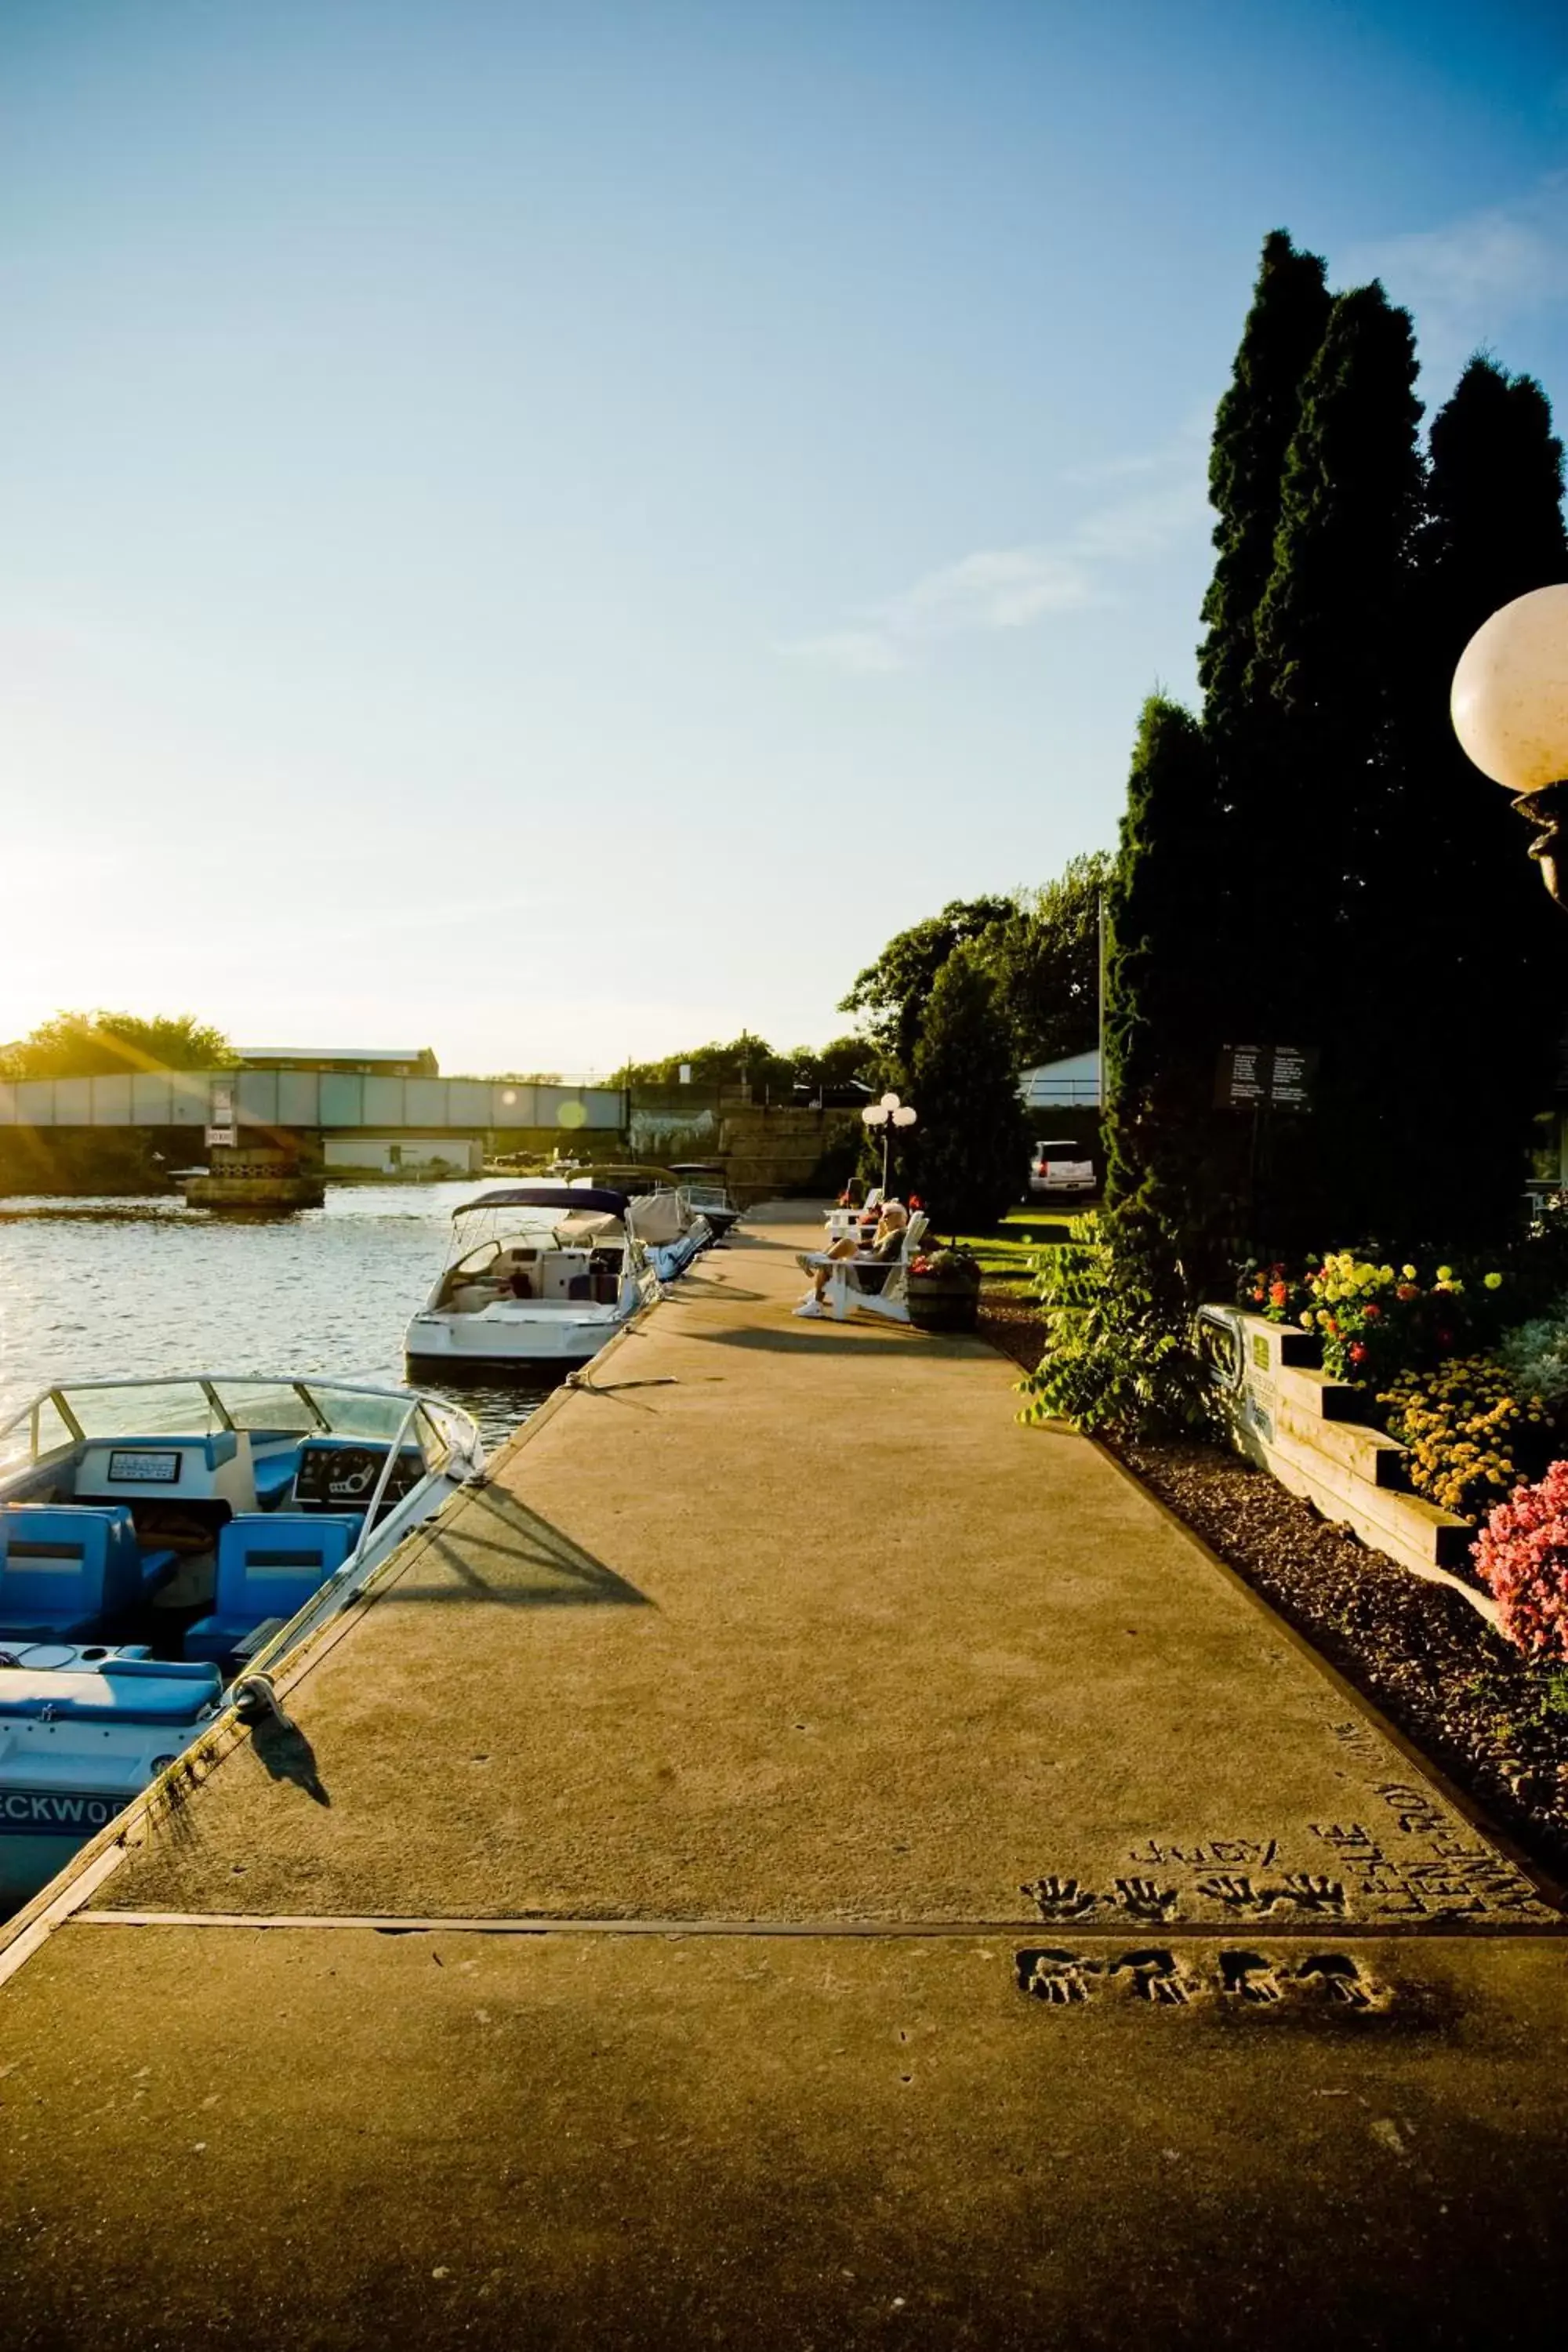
<point>887,1115</point>
<point>1510,708</point>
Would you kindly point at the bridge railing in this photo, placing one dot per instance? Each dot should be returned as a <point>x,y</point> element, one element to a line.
<point>324,1100</point>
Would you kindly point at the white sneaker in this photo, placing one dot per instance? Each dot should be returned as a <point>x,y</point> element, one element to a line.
<point>810,1306</point>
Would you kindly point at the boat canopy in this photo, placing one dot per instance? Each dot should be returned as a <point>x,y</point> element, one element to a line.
<point>546,1196</point>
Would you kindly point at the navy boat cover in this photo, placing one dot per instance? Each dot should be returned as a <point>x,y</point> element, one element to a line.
<point>548,1196</point>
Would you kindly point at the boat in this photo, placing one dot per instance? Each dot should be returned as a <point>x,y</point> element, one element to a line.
<point>164,1543</point>
<point>659,1211</point>
<point>702,1183</point>
<point>535,1274</point>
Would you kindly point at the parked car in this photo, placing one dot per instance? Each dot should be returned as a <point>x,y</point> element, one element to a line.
<point>1059,1166</point>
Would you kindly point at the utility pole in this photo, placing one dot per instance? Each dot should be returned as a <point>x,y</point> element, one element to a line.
<point>1099,1088</point>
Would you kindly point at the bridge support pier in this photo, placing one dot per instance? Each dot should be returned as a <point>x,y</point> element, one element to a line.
<point>258,1177</point>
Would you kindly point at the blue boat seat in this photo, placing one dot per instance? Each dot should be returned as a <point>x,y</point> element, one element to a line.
<point>65,1569</point>
<point>269,1563</point>
<point>275,1473</point>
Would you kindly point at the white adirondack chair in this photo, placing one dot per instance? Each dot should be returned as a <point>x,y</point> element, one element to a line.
<point>861,1287</point>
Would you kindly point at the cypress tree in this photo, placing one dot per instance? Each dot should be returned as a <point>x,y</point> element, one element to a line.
<point>1489,947</point>
<point>971,1147</point>
<point>1330,671</point>
<point>1170,1159</point>
<point>1254,425</point>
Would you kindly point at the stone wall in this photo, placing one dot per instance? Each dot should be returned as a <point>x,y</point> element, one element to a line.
<point>769,1154</point>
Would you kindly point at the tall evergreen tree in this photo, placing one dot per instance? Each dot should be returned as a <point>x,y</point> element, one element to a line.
<point>1254,426</point>
<point>1334,657</point>
<point>1174,1163</point>
<point>970,1151</point>
<point>1490,947</point>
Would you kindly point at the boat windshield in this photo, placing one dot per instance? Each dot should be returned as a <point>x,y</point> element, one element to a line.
<point>200,1405</point>
<point>477,1240</point>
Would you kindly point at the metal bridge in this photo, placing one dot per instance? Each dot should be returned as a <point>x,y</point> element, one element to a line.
<point>322,1102</point>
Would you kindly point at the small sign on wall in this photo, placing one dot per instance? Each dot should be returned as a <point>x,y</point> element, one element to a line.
<point>1279,1075</point>
<point>224,1136</point>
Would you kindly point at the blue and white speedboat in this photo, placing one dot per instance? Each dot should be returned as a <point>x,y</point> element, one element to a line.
<point>161,1539</point>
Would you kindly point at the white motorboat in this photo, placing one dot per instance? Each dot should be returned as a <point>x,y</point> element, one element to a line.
<point>537,1274</point>
<point>161,1541</point>
<point>659,1212</point>
<point>702,1183</point>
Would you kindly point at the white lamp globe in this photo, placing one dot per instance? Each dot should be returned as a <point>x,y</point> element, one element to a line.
<point>1509,699</point>
<point>904,1116</point>
<point>874,1114</point>
<point>889,1102</point>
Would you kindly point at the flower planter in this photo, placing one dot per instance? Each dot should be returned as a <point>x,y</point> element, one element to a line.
<point>1307,1429</point>
<point>943,1301</point>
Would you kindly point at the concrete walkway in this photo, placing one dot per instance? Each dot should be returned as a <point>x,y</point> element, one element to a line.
<point>806,1863</point>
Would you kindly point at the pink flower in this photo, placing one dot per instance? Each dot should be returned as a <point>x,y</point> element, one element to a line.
<point>1521,1554</point>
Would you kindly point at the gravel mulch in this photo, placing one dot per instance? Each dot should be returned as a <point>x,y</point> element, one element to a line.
<point>1495,1724</point>
<point>1011,1323</point>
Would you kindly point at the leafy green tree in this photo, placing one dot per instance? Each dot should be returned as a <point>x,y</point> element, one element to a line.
<point>1044,959</point>
<point>838,1064</point>
<point>104,1044</point>
<point>970,1151</point>
<point>1254,426</point>
<point>891,994</point>
<point>1173,1173</point>
<point>744,1060</point>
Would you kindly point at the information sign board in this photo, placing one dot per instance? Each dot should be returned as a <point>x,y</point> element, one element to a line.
<point>1278,1076</point>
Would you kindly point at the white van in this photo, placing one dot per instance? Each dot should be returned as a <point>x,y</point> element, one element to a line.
<point>1059,1166</point>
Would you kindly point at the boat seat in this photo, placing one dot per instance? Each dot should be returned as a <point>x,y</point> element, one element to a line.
<point>268,1565</point>
<point>65,1570</point>
<point>275,1473</point>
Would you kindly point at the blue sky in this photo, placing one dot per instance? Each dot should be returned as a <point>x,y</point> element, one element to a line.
<point>553,532</point>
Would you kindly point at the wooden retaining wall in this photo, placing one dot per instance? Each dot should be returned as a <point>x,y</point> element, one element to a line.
<point>1299,1423</point>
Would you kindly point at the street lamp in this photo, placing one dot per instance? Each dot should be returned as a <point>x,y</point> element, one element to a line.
<point>888,1114</point>
<point>1510,706</point>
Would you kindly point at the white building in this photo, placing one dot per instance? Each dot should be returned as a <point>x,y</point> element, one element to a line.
<point>1071,1084</point>
<point>407,1155</point>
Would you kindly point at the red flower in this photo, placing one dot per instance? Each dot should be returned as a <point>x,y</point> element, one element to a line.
<point>1372,1311</point>
<point>1278,1294</point>
<point>1358,1353</point>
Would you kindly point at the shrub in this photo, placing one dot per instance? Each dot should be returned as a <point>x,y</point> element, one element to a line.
<point>1116,1356</point>
<point>1521,1554</point>
<point>1537,1356</point>
<point>1470,1437</point>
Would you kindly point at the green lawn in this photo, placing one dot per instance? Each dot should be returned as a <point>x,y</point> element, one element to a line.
<point>1007,1254</point>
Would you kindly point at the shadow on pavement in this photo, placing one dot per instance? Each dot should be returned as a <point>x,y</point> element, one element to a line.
<point>499,1550</point>
<point>809,1337</point>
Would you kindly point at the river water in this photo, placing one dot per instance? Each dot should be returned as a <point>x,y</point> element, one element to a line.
<point>90,1288</point>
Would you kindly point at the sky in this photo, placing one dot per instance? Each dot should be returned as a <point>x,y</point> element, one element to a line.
<point>551,532</point>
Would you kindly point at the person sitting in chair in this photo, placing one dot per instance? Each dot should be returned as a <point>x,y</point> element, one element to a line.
<point>886,1244</point>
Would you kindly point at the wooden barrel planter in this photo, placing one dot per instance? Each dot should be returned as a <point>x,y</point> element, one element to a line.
<point>946,1299</point>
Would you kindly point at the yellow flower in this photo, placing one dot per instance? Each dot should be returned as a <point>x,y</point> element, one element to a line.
<point>1408,1272</point>
<point>1494,1282</point>
<point>1445,1274</point>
